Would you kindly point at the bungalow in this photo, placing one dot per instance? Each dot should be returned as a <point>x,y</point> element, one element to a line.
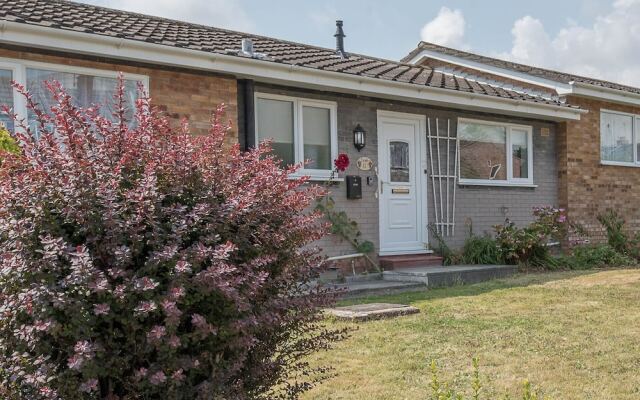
<point>429,145</point>
<point>598,155</point>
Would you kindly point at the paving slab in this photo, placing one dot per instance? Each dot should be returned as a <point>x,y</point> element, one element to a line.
<point>367,312</point>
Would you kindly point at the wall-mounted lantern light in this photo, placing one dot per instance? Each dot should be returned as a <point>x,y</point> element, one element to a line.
<point>359,137</point>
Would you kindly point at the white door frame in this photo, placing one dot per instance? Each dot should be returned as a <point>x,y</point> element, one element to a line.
<point>421,179</point>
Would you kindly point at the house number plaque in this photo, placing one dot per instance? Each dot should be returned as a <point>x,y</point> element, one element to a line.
<point>364,163</point>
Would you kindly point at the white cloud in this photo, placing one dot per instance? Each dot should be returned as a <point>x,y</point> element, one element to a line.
<point>446,29</point>
<point>219,13</point>
<point>608,49</point>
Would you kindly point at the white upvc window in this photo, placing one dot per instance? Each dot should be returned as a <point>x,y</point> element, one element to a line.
<point>87,86</point>
<point>301,130</point>
<point>619,139</point>
<point>495,153</point>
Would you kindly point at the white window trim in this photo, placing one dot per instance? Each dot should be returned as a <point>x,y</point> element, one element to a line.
<point>298,133</point>
<point>19,74</point>
<point>510,181</point>
<point>635,139</point>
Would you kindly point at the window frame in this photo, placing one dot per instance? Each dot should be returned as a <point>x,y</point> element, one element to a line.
<point>634,139</point>
<point>510,181</point>
<point>19,74</point>
<point>298,131</point>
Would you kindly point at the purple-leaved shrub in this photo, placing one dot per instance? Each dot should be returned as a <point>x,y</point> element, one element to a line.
<point>139,261</point>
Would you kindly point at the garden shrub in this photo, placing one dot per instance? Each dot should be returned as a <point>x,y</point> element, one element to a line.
<point>529,245</point>
<point>144,262</point>
<point>617,237</point>
<point>7,143</point>
<point>481,250</point>
<point>595,256</point>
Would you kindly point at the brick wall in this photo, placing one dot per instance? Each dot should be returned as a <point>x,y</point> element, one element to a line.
<point>181,94</point>
<point>587,187</point>
<point>483,207</point>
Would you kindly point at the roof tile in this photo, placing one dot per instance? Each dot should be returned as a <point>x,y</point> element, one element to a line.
<point>68,15</point>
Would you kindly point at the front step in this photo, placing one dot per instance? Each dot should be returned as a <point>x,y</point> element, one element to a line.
<point>409,260</point>
<point>450,276</point>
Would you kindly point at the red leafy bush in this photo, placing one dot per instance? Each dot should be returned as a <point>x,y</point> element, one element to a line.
<point>144,262</point>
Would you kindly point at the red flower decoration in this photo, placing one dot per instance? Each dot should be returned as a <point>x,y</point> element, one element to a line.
<point>342,162</point>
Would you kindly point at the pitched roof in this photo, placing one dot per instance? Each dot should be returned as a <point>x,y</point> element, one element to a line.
<point>548,74</point>
<point>67,15</point>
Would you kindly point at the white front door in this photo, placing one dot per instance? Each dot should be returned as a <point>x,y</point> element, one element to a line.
<point>401,183</point>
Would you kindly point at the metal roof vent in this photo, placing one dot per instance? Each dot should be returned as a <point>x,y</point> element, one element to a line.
<point>247,50</point>
<point>340,40</point>
<point>247,47</point>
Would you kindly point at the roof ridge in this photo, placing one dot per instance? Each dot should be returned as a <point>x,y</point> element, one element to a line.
<point>211,27</point>
<point>434,46</point>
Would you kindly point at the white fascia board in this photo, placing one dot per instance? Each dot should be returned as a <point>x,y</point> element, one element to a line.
<point>271,72</point>
<point>603,93</point>
<point>560,88</point>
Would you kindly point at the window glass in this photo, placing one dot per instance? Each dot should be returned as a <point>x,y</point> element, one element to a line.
<point>520,153</point>
<point>86,90</point>
<point>399,165</point>
<point>616,137</point>
<point>316,131</point>
<point>483,151</point>
<point>6,96</point>
<point>275,121</point>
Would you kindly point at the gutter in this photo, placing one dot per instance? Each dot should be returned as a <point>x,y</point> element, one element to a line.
<point>270,72</point>
<point>604,93</point>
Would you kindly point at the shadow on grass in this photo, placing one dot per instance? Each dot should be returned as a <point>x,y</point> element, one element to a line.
<point>522,279</point>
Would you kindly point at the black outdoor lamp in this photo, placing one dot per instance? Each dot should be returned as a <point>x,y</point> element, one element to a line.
<point>359,137</point>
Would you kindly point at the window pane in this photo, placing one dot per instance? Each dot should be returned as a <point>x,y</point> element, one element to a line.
<point>316,131</point>
<point>275,121</point>
<point>86,90</point>
<point>616,137</point>
<point>6,96</point>
<point>520,153</point>
<point>483,151</point>
<point>399,162</point>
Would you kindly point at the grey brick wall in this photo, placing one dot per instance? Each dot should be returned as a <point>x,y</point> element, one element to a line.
<point>483,207</point>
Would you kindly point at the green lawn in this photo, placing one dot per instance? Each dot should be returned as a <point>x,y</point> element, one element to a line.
<point>574,334</point>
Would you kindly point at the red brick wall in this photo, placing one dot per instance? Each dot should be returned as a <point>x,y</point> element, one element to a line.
<point>181,94</point>
<point>588,188</point>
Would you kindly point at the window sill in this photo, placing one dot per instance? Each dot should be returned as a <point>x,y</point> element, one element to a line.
<point>316,178</point>
<point>498,184</point>
<point>619,164</point>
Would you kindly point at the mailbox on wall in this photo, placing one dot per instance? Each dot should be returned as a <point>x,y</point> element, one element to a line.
<point>354,187</point>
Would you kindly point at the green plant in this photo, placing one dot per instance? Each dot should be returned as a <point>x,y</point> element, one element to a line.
<point>529,245</point>
<point>613,223</point>
<point>342,225</point>
<point>481,250</point>
<point>7,143</point>
<point>449,257</point>
<point>444,390</point>
<point>595,256</point>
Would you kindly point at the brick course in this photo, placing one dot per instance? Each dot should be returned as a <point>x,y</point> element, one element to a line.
<point>180,94</point>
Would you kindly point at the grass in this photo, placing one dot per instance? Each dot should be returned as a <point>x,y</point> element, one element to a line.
<point>576,335</point>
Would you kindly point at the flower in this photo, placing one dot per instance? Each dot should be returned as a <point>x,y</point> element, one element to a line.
<point>342,162</point>
<point>89,386</point>
<point>146,307</point>
<point>101,309</point>
<point>157,378</point>
<point>156,333</point>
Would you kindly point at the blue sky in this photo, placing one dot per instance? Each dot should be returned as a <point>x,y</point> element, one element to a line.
<point>579,36</point>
